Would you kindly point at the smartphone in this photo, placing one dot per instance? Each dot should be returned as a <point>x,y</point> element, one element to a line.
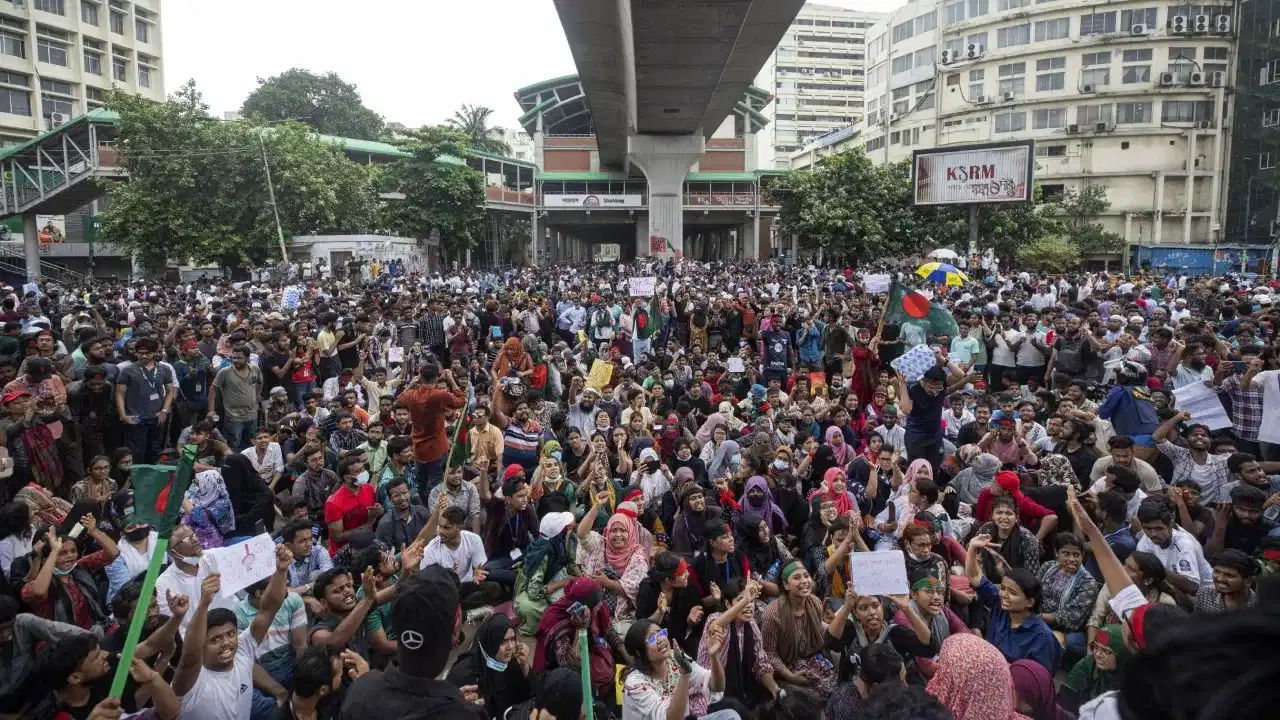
<point>577,609</point>
<point>76,530</point>
<point>1239,366</point>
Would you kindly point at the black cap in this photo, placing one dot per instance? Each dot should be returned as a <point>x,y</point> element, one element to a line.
<point>560,694</point>
<point>426,603</point>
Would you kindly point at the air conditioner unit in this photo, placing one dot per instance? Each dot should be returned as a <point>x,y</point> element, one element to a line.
<point>1166,79</point>
<point>893,117</point>
<point>1009,97</point>
<point>56,119</point>
<point>1073,129</point>
<point>982,100</point>
<point>1222,24</point>
<point>1218,79</point>
<point>1196,79</point>
<point>1088,88</point>
<point>1138,29</point>
<point>1204,125</point>
<point>1201,24</point>
<point>947,57</point>
<point>974,50</point>
<point>1101,126</point>
<point>1178,24</point>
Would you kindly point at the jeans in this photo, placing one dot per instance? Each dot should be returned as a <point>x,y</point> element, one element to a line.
<point>279,665</point>
<point>239,433</point>
<point>301,391</point>
<point>430,474</point>
<point>925,448</point>
<point>145,439</point>
<point>501,570</point>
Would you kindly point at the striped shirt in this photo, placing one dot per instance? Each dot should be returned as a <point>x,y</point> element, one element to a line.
<point>520,446</point>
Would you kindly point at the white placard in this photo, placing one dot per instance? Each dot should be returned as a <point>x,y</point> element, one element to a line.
<point>395,354</point>
<point>1204,405</point>
<point>914,363</point>
<point>735,365</point>
<point>642,286</point>
<point>242,565</point>
<point>876,284</point>
<point>878,573</point>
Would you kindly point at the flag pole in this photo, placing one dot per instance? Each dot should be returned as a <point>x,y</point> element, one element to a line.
<point>139,617</point>
<point>584,644</point>
<point>885,308</point>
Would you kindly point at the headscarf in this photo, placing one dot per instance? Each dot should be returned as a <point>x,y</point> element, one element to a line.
<point>45,507</point>
<point>713,421</point>
<point>670,434</point>
<point>719,465</point>
<point>726,411</point>
<point>844,505</point>
<point>973,680</point>
<point>499,690</point>
<point>512,357</point>
<point>550,547</point>
<point>208,489</point>
<point>1086,679</point>
<point>760,555</point>
<point>587,592</point>
<point>620,559</point>
<point>767,508</point>
<point>1056,470</point>
<point>1011,483</point>
<point>1034,686</point>
<point>839,454</point>
<point>970,482</point>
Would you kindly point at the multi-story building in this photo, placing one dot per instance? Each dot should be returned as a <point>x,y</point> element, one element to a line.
<point>1129,95</point>
<point>520,142</point>
<point>817,77</point>
<point>58,58</point>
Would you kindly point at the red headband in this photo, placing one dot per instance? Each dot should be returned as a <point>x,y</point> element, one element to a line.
<point>1271,554</point>
<point>632,495</point>
<point>682,568</point>
<point>921,523</point>
<point>628,512</point>
<point>1138,625</point>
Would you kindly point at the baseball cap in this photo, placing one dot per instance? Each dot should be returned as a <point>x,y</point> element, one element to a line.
<point>426,602</point>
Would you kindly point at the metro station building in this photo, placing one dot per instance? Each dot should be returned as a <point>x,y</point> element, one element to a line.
<point>589,210</point>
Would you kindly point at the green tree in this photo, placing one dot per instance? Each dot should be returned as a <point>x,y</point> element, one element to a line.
<point>325,102</point>
<point>197,187</point>
<point>441,193</point>
<point>1049,255</point>
<point>473,122</point>
<point>1007,227</point>
<point>911,228</point>
<point>1078,212</point>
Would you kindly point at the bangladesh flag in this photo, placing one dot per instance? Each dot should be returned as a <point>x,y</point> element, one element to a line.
<point>908,307</point>
<point>158,491</point>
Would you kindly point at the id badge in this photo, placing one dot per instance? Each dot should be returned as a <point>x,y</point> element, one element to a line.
<point>515,554</point>
<point>155,396</point>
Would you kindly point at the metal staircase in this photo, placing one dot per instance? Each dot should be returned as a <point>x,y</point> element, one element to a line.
<point>13,259</point>
<point>54,172</point>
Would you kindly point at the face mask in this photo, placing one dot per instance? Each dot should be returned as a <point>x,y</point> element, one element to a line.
<point>735,460</point>
<point>493,664</point>
<point>684,454</point>
<point>668,384</point>
<point>188,561</point>
<point>137,533</point>
<point>651,465</point>
<point>362,478</point>
<point>780,464</point>
<point>61,573</point>
<point>557,455</point>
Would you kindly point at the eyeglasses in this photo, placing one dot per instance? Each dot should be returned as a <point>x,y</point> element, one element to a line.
<point>654,638</point>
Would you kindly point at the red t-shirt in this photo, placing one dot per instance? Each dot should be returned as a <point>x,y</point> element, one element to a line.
<point>352,508</point>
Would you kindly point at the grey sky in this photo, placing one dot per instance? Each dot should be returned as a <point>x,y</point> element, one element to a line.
<point>414,61</point>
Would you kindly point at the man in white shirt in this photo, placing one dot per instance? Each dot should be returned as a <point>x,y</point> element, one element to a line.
<point>1176,548</point>
<point>215,675</point>
<point>1269,429</point>
<point>462,552</point>
<point>185,575</point>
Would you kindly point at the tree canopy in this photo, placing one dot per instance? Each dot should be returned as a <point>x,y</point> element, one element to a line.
<point>198,187</point>
<point>326,102</point>
<point>438,195</point>
<point>473,122</point>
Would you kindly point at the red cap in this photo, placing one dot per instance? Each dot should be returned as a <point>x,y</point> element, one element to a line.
<point>13,395</point>
<point>512,471</point>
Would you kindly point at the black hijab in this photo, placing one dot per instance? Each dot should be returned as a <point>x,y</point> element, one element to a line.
<point>760,555</point>
<point>500,689</point>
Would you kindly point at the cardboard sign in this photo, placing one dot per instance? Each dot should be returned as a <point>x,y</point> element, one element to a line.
<point>735,365</point>
<point>642,286</point>
<point>601,373</point>
<point>395,354</point>
<point>878,573</point>
<point>876,284</point>
<point>913,364</point>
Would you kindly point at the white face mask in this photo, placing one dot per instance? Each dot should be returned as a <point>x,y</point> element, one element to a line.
<point>780,464</point>
<point>362,478</point>
<point>183,559</point>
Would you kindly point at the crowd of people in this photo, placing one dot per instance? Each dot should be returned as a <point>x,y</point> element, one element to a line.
<point>478,484</point>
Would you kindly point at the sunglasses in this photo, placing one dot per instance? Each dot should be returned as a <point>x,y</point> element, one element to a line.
<point>654,638</point>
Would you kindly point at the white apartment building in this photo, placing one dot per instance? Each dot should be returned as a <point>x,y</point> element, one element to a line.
<point>817,77</point>
<point>520,142</point>
<point>58,58</point>
<point>1130,95</point>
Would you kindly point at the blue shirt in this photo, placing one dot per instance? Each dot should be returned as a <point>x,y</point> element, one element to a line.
<point>1032,640</point>
<point>1130,411</point>
<point>810,345</point>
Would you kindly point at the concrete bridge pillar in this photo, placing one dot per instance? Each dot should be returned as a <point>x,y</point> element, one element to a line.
<point>665,160</point>
<point>31,246</point>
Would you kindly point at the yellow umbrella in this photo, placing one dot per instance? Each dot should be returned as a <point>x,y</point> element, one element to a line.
<point>942,273</point>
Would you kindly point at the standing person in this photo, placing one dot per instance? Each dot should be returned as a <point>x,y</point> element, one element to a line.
<point>144,398</point>
<point>922,403</point>
<point>426,403</point>
<point>240,387</point>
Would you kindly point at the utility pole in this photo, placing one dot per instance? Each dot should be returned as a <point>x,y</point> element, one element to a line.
<point>271,192</point>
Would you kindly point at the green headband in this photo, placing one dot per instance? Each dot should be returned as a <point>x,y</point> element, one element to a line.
<point>789,569</point>
<point>925,583</point>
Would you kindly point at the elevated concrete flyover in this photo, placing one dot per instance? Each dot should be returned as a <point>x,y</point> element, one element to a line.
<point>660,76</point>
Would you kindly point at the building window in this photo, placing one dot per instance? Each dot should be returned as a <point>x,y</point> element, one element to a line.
<point>1216,53</point>
<point>1097,24</point>
<point>53,7</point>
<point>1012,36</point>
<point>13,78</point>
<point>1133,113</point>
<point>1012,79</point>
<point>903,31</point>
<point>1265,160</point>
<point>924,57</point>
<point>1090,114</point>
<point>142,29</point>
<point>1136,74</point>
<point>1051,150</point>
<point>979,39</point>
<point>15,102</point>
<point>1011,4</point>
<point>1058,29</point>
<point>12,43</point>
<point>117,22</point>
<point>89,13</point>
<point>51,51</point>
<point>1190,111</point>
<point>956,46</point>
<point>955,12</point>
<point>93,96</point>
<point>1142,55</point>
<point>145,68</point>
<point>120,69</point>
<point>1007,122</point>
<point>926,22</point>
<point>976,84</point>
<point>1140,16</point>
<point>1271,118</point>
<point>1048,118</point>
<point>978,8</point>
<point>900,64</point>
<point>1097,77</point>
<point>1098,58</point>
<point>1051,74</point>
<point>1050,193</point>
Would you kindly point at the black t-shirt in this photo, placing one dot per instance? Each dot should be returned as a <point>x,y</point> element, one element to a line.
<point>925,418</point>
<point>359,642</point>
<point>269,379</point>
<point>777,350</point>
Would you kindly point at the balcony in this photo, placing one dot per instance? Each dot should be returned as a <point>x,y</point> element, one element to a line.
<point>513,197</point>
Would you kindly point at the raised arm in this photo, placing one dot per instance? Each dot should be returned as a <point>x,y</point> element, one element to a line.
<point>273,596</point>
<point>192,660</point>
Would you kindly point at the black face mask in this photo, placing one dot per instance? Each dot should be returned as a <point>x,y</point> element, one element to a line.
<point>651,465</point>
<point>138,533</point>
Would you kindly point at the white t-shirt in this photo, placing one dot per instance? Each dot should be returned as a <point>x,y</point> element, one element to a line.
<point>1184,556</point>
<point>224,695</point>
<point>175,581</point>
<point>1269,431</point>
<point>466,558</point>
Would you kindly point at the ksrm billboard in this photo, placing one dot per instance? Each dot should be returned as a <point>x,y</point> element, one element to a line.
<point>995,172</point>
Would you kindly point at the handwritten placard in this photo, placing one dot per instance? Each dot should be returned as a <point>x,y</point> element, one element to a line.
<point>878,573</point>
<point>395,354</point>
<point>601,373</point>
<point>876,284</point>
<point>642,286</point>
<point>242,565</point>
<point>1204,405</point>
<point>735,365</point>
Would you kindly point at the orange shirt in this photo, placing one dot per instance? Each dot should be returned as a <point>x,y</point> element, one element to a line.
<point>426,406</point>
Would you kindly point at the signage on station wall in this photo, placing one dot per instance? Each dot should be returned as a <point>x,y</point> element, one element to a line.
<point>592,202</point>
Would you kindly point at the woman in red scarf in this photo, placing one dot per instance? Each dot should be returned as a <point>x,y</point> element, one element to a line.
<point>1007,482</point>
<point>558,630</point>
<point>865,365</point>
<point>834,490</point>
